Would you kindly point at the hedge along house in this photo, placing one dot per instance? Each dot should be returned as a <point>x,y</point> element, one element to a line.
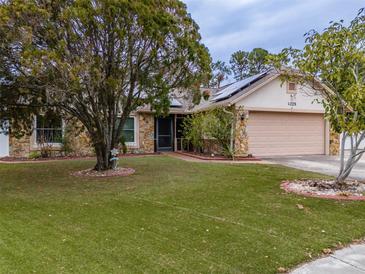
<point>273,118</point>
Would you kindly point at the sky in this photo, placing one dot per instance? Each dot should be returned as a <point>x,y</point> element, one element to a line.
<point>230,25</point>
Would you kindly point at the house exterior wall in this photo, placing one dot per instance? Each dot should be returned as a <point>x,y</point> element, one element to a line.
<point>335,143</point>
<point>76,140</point>
<point>146,132</point>
<point>19,147</point>
<point>274,97</point>
<point>77,143</point>
<point>241,138</point>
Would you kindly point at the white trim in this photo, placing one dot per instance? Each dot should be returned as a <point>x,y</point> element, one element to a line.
<point>294,91</point>
<point>284,110</point>
<point>136,130</point>
<point>327,133</point>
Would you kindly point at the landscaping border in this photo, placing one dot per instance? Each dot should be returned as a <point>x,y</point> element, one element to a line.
<point>285,186</point>
<point>14,160</point>
<point>218,158</point>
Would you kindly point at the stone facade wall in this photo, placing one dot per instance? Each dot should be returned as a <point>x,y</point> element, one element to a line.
<point>241,137</point>
<point>335,143</point>
<point>77,142</point>
<point>146,134</point>
<point>19,147</point>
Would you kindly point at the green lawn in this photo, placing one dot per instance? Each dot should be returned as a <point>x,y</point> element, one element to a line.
<point>171,216</point>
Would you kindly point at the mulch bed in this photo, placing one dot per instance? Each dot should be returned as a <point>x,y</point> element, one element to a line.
<point>62,158</point>
<point>216,157</point>
<point>25,159</point>
<point>326,189</point>
<point>119,172</point>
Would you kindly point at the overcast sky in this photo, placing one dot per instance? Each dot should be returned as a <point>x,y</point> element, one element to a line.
<point>231,25</point>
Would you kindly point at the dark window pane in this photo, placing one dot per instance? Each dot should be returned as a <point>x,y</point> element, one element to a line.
<point>49,128</point>
<point>129,124</point>
<point>128,136</point>
<point>49,136</point>
<point>164,126</point>
<point>128,130</point>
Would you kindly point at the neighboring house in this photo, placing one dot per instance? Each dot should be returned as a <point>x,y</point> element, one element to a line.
<point>274,118</point>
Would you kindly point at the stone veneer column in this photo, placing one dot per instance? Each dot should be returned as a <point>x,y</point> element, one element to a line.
<point>147,132</point>
<point>335,145</point>
<point>241,138</point>
<point>19,147</point>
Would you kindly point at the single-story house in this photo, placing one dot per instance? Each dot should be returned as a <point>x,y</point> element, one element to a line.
<point>275,118</point>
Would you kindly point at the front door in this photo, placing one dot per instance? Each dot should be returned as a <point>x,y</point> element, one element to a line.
<point>164,134</point>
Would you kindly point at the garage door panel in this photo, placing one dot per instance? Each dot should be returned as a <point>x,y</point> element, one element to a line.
<point>273,133</point>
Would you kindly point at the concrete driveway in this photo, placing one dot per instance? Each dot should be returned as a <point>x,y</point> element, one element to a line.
<point>328,165</point>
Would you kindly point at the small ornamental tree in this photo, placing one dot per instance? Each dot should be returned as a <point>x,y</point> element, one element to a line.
<point>215,124</point>
<point>335,57</point>
<point>218,125</point>
<point>193,130</point>
<point>97,61</point>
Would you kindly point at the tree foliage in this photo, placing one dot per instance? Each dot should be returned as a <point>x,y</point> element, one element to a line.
<point>240,64</point>
<point>335,57</point>
<point>215,124</point>
<point>220,73</point>
<point>193,130</point>
<point>245,64</point>
<point>97,61</point>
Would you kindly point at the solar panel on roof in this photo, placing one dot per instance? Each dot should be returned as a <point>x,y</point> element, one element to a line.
<point>235,87</point>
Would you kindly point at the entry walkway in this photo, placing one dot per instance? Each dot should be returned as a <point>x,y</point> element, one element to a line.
<point>350,260</point>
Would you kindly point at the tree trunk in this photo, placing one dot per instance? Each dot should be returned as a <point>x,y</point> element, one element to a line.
<point>102,152</point>
<point>354,157</point>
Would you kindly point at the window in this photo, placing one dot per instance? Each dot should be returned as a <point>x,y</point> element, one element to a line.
<point>129,130</point>
<point>292,87</point>
<point>48,129</point>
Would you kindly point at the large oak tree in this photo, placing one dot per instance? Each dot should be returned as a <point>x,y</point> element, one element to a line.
<point>97,61</point>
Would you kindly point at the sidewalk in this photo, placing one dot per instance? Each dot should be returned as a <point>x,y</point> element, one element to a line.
<point>350,260</point>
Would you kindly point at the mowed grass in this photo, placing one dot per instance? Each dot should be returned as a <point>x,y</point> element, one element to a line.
<point>171,216</point>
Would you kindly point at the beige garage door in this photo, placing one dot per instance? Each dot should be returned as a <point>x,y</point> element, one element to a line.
<point>272,133</point>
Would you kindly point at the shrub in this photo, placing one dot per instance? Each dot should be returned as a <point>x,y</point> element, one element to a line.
<point>123,145</point>
<point>193,130</point>
<point>217,124</point>
<point>34,155</point>
<point>213,124</point>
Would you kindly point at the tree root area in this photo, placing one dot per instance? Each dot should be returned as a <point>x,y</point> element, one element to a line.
<point>119,172</point>
<point>350,190</point>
